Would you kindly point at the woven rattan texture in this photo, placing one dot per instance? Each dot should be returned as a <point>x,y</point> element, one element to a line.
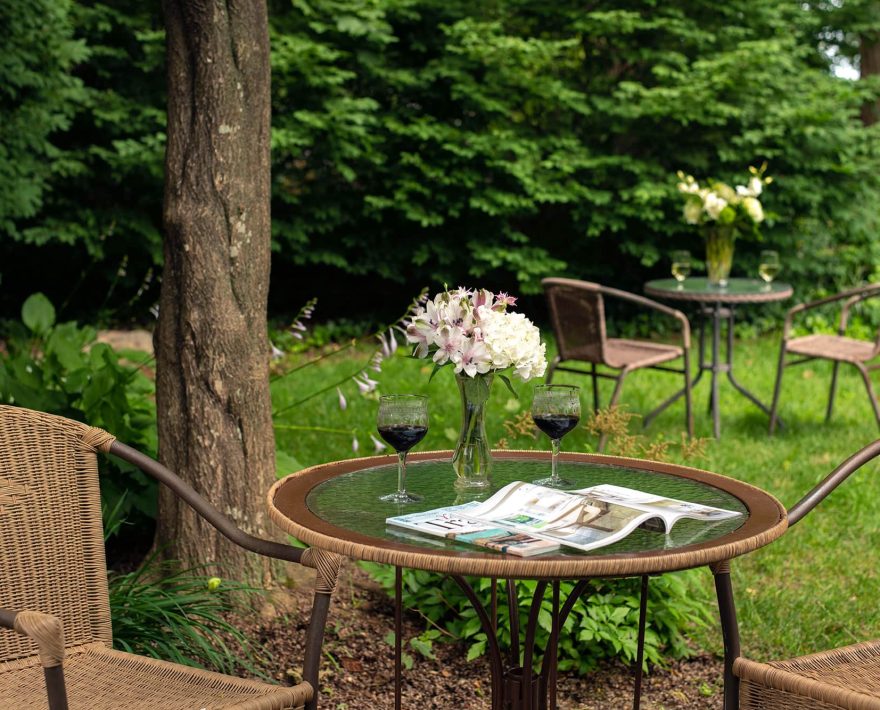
<point>842,678</point>
<point>634,354</point>
<point>835,347</point>
<point>101,679</point>
<point>46,631</point>
<point>578,316</point>
<point>50,528</point>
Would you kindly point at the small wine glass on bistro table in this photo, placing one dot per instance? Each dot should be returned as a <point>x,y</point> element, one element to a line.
<point>556,410</point>
<point>403,422</point>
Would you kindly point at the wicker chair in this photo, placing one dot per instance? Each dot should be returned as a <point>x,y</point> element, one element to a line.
<point>841,679</point>
<point>837,348</point>
<point>577,311</point>
<point>53,584</point>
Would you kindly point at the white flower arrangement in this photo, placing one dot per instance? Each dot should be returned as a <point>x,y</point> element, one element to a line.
<point>473,331</point>
<point>723,205</point>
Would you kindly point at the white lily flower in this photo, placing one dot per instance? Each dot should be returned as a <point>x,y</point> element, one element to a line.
<point>377,445</point>
<point>342,403</point>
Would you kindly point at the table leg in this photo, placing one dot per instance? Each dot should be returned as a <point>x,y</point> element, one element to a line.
<point>716,368</point>
<point>729,633</point>
<point>640,654</point>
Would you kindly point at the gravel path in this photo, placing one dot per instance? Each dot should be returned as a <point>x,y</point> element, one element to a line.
<point>357,670</point>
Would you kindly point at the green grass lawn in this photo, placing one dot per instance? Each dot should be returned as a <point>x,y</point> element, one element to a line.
<point>814,588</point>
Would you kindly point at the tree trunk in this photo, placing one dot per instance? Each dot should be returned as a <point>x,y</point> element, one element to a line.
<point>212,383</point>
<point>869,60</point>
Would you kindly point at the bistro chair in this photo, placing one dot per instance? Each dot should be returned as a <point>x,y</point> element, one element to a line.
<point>577,311</point>
<point>837,348</point>
<point>845,678</point>
<point>53,584</point>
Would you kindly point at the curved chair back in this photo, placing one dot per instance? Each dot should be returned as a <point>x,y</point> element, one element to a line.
<point>51,536</point>
<point>577,311</point>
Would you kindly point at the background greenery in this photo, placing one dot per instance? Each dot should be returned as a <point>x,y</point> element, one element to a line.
<point>419,141</point>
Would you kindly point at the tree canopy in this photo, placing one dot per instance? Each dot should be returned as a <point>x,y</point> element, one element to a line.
<point>420,140</point>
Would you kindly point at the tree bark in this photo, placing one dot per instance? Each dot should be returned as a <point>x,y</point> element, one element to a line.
<point>869,61</point>
<point>212,350</point>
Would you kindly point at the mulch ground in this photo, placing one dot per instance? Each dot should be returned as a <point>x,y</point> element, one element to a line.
<point>357,668</point>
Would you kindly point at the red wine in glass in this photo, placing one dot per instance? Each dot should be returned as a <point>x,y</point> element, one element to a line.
<point>555,425</point>
<point>403,422</point>
<point>402,437</point>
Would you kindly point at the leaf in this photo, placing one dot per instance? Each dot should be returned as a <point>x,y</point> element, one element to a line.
<point>506,380</point>
<point>38,313</point>
<point>436,369</point>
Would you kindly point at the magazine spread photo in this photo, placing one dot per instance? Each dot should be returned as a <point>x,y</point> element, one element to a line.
<point>521,517</point>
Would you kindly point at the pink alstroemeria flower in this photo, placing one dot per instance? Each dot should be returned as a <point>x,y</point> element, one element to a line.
<point>474,358</point>
<point>449,341</point>
<point>502,301</point>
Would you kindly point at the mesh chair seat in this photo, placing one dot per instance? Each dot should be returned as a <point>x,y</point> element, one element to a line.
<point>842,679</point>
<point>833,347</point>
<point>633,354</point>
<point>99,678</point>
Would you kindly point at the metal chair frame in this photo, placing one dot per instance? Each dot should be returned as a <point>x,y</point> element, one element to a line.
<point>594,289</point>
<point>806,692</point>
<point>850,298</point>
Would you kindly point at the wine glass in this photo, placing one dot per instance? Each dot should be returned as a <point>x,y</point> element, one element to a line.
<point>768,267</point>
<point>556,410</point>
<point>403,422</point>
<point>681,266</point>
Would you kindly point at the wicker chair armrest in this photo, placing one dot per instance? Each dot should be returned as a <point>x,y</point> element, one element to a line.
<point>852,296</point>
<point>682,319</point>
<point>44,630</point>
<point>48,633</point>
<point>206,510</point>
<point>831,481</point>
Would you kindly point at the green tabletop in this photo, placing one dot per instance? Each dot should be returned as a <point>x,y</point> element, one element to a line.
<point>335,507</point>
<point>736,290</point>
<point>351,500</point>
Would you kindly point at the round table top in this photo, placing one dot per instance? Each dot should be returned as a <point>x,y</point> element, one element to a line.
<point>736,291</point>
<point>336,507</point>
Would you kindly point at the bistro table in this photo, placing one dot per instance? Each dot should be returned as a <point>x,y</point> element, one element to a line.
<point>336,507</point>
<point>717,303</point>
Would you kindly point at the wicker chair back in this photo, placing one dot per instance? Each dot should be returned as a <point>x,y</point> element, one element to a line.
<point>577,311</point>
<point>51,536</point>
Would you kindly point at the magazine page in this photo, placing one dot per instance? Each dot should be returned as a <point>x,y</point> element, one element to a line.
<point>456,522</point>
<point>529,507</point>
<point>669,509</point>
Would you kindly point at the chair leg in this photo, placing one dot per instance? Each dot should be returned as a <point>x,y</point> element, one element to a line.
<point>688,409</point>
<point>776,388</point>
<point>866,376</point>
<point>603,437</point>
<point>595,386</point>
<point>551,368</point>
<point>832,391</point>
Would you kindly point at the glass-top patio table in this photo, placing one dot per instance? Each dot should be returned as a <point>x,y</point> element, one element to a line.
<point>717,303</point>
<point>336,507</point>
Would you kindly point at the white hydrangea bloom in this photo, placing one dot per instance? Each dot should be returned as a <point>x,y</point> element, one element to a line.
<point>512,340</point>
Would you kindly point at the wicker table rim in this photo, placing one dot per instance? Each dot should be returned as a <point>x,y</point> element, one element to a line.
<point>719,295</point>
<point>747,538</point>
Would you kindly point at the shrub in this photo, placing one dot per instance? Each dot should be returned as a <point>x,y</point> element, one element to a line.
<point>604,624</point>
<point>60,368</point>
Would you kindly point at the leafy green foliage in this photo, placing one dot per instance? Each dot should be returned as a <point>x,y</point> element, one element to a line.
<point>423,141</point>
<point>60,368</point>
<point>179,616</point>
<point>604,624</point>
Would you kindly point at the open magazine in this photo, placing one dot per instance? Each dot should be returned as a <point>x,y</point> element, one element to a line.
<point>525,519</point>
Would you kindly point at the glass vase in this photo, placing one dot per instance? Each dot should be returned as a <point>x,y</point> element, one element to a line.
<point>472,458</point>
<point>719,254</point>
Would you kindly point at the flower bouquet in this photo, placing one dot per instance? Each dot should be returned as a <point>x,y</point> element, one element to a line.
<point>473,331</point>
<point>723,212</point>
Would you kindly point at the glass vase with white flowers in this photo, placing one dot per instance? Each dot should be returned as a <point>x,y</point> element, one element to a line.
<point>723,213</point>
<point>472,331</point>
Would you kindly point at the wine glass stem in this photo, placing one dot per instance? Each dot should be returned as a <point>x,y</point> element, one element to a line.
<point>554,473</point>
<point>401,472</point>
